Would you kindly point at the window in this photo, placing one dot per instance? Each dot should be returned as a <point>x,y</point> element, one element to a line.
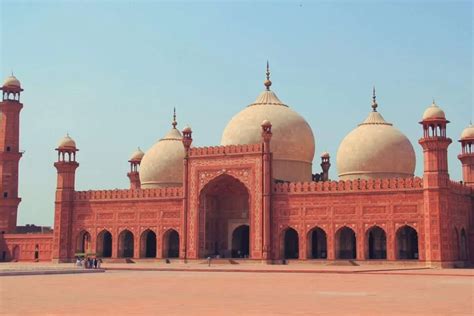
<point>5,194</point>
<point>8,148</point>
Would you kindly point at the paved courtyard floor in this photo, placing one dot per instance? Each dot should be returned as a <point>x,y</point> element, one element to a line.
<point>237,293</point>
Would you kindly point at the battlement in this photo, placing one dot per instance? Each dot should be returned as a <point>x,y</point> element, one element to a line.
<point>226,150</point>
<point>458,187</point>
<point>171,192</point>
<point>415,183</point>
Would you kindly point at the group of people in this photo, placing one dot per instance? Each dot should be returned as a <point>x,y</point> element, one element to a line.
<point>88,263</point>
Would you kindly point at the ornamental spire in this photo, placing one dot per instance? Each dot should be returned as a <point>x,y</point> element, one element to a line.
<point>174,123</point>
<point>267,82</point>
<point>374,100</point>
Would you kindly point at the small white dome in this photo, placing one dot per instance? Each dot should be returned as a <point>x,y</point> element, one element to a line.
<point>137,155</point>
<point>375,149</point>
<point>292,143</point>
<point>12,81</point>
<point>325,154</point>
<point>162,164</point>
<point>66,143</point>
<point>468,132</point>
<point>433,112</point>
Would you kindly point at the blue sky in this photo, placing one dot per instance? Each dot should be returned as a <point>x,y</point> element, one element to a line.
<point>110,73</point>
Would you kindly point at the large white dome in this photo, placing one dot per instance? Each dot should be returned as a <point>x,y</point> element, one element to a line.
<point>375,149</point>
<point>162,164</point>
<point>292,143</point>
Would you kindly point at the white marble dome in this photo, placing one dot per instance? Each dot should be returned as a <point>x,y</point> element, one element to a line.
<point>12,81</point>
<point>162,164</point>
<point>292,142</point>
<point>375,149</point>
<point>468,132</point>
<point>66,143</point>
<point>433,112</point>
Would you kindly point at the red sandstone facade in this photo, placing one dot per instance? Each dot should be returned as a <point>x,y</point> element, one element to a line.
<point>230,205</point>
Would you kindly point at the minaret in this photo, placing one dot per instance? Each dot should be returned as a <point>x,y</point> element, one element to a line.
<point>187,141</point>
<point>467,155</point>
<point>133,175</point>
<point>63,212</point>
<point>10,154</point>
<point>435,184</point>
<point>267,186</point>
<point>325,165</point>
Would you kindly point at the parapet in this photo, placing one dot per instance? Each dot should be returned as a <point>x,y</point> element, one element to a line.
<point>414,183</point>
<point>226,150</point>
<point>170,192</point>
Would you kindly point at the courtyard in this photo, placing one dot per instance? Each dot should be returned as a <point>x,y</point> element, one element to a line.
<point>344,291</point>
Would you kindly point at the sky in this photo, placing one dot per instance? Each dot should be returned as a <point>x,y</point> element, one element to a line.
<point>110,72</point>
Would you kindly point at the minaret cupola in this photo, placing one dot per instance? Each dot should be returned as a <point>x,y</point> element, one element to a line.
<point>11,89</point>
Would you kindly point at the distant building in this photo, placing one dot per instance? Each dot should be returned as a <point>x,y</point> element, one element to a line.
<point>255,196</point>
<point>31,228</point>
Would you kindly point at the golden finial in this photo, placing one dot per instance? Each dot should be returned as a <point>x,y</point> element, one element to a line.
<point>374,100</point>
<point>174,118</point>
<point>267,82</point>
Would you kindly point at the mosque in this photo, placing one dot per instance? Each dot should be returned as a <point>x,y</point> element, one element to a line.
<point>255,197</point>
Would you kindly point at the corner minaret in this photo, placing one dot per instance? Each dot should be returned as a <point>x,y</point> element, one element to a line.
<point>133,175</point>
<point>10,154</point>
<point>325,165</point>
<point>435,185</point>
<point>467,155</point>
<point>64,204</point>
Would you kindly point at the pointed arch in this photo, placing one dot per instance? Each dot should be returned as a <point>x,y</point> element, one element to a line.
<point>376,243</point>
<point>104,244</point>
<point>83,242</point>
<point>316,243</point>
<point>407,243</point>
<point>346,245</point>
<point>125,244</point>
<point>289,244</point>
<point>148,244</point>
<point>170,244</point>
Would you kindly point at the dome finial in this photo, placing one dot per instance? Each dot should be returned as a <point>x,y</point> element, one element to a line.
<point>374,100</point>
<point>267,82</point>
<point>174,118</point>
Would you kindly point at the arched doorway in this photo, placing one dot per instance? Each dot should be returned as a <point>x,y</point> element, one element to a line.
<point>463,245</point>
<point>345,243</point>
<point>104,244</point>
<point>240,242</point>
<point>171,244</point>
<point>125,249</point>
<point>317,244</point>
<point>407,243</point>
<point>83,242</point>
<point>290,244</point>
<point>223,205</point>
<point>16,253</point>
<point>457,245</point>
<point>148,244</point>
<point>376,243</point>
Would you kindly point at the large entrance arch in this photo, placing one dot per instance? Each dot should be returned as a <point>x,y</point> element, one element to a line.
<point>240,242</point>
<point>345,243</point>
<point>223,208</point>
<point>407,243</point>
<point>104,244</point>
